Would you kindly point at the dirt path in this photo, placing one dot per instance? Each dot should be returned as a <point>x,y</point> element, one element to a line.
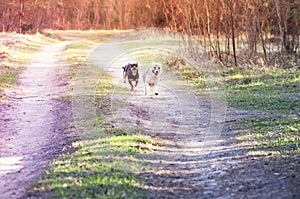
<point>34,124</point>
<point>187,163</point>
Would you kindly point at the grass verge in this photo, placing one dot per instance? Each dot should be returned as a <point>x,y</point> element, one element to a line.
<point>273,92</point>
<point>99,169</point>
<point>16,51</point>
<point>273,135</point>
<point>92,35</point>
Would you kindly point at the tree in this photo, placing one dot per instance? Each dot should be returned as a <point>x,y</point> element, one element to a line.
<point>21,15</point>
<point>284,10</point>
<point>219,25</point>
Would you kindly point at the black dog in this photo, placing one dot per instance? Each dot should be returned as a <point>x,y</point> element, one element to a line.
<point>131,72</point>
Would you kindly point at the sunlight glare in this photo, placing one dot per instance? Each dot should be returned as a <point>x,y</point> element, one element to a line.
<point>10,164</point>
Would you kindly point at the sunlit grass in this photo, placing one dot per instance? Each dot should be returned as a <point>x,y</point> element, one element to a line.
<point>16,51</point>
<point>272,92</point>
<point>86,175</point>
<point>76,55</point>
<point>274,134</point>
<point>101,169</point>
<point>92,35</point>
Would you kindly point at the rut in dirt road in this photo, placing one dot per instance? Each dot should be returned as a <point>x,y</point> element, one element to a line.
<point>34,125</point>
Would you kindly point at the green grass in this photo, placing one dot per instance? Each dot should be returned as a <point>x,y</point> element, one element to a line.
<point>102,168</point>
<point>274,92</point>
<point>274,134</point>
<point>8,77</point>
<point>78,51</point>
<point>193,76</point>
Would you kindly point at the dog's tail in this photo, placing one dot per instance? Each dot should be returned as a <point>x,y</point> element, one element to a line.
<point>126,67</point>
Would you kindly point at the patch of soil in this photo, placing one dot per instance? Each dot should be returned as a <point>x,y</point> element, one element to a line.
<point>34,122</point>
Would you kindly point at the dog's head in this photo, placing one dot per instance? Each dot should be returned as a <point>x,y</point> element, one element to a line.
<point>156,68</point>
<point>134,68</point>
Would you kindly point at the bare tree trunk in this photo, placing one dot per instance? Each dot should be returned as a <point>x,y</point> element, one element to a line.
<point>208,25</point>
<point>166,12</point>
<point>263,43</point>
<point>21,15</point>
<point>96,13</point>
<point>282,23</point>
<point>218,31</point>
<point>251,27</point>
<point>232,22</point>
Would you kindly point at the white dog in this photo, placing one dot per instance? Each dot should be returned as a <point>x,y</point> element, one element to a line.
<point>151,78</point>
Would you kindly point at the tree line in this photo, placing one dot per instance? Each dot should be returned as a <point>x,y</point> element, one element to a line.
<point>218,24</point>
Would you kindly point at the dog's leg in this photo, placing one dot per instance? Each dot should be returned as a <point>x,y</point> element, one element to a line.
<point>147,90</point>
<point>136,83</point>
<point>156,89</point>
<point>124,76</point>
<point>130,82</point>
<point>152,90</point>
